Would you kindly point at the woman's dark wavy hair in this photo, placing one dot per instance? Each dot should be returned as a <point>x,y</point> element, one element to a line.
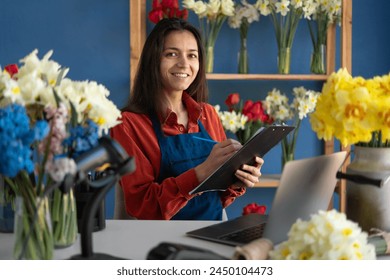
<point>147,88</point>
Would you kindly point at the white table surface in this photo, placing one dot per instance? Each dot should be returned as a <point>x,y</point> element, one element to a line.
<point>133,239</point>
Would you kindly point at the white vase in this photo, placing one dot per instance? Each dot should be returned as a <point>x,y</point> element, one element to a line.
<point>368,204</point>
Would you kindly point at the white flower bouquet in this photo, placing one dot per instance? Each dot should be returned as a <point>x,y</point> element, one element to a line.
<point>328,235</point>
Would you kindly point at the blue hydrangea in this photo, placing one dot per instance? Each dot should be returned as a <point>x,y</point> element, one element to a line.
<point>16,138</point>
<point>82,138</point>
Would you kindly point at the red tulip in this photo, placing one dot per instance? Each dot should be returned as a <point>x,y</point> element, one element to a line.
<point>170,4</point>
<point>156,15</point>
<point>231,100</point>
<point>12,69</point>
<point>166,9</point>
<point>254,208</point>
<point>156,4</point>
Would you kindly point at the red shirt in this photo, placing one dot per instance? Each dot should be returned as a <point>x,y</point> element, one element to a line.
<point>145,198</point>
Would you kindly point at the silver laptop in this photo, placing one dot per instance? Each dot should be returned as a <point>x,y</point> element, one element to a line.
<point>306,186</point>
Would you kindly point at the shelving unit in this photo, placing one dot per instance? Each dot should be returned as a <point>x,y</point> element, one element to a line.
<point>280,77</point>
<point>137,39</point>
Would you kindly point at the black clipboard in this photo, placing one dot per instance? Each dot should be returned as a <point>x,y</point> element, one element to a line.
<point>260,143</point>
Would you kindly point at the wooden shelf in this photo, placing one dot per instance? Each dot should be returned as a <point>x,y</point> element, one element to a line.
<point>137,39</point>
<point>268,181</point>
<point>247,77</point>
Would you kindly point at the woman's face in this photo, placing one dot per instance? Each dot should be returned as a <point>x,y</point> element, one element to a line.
<point>179,62</point>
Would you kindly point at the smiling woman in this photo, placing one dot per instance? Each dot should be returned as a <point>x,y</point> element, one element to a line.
<point>166,109</point>
<point>179,67</point>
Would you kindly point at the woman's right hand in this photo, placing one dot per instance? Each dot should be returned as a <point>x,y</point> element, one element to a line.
<point>220,153</point>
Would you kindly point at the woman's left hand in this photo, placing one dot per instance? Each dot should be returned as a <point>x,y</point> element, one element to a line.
<point>249,174</point>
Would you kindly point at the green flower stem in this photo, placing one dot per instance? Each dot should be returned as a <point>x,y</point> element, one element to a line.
<point>284,59</point>
<point>210,32</point>
<point>318,39</point>
<point>243,67</point>
<point>289,143</point>
<point>34,239</point>
<point>64,218</point>
<point>318,64</point>
<point>285,28</point>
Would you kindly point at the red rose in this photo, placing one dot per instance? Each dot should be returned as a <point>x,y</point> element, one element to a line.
<point>156,5</point>
<point>12,69</point>
<point>253,110</point>
<point>172,13</point>
<point>254,208</point>
<point>166,9</point>
<point>170,4</point>
<point>182,14</point>
<point>232,100</point>
<point>156,15</point>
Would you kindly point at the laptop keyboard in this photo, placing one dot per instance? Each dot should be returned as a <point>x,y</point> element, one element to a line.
<point>246,235</point>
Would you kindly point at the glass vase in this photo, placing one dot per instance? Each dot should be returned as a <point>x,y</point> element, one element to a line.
<point>33,229</point>
<point>6,211</point>
<point>64,218</point>
<point>287,151</point>
<point>243,66</point>
<point>286,158</point>
<point>209,59</point>
<point>318,60</point>
<point>284,59</point>
<point>368,204</point>
<point>6,217</point>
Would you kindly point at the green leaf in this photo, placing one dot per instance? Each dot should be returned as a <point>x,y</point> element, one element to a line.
<point>73,115</point>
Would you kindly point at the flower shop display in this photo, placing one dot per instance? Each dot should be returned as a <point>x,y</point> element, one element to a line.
<point>285,16</point>
<point>166,9</point>
<point>46,121</point>
<point>278,107</point>
<point>243,119</point>
<point>254,208</point>
<point>327,235</point>
<point>355,111</point>
<point>244,15</point>
<point>320,16</point>
<point>211,16</point>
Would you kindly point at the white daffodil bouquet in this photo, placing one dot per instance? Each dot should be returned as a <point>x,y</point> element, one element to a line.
<point>244,15</point>
<point>46,121</point>
<point>211,16</point>
<point>320,16</point>
<point>285,16</point>
<point>278,107</point>
<point>328,235</point>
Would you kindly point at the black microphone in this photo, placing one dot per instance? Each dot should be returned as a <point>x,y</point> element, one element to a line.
<point>108,151</point>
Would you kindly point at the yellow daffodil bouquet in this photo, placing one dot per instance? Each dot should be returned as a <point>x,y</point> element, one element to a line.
<point>354,110</point>
<point>328,235</point>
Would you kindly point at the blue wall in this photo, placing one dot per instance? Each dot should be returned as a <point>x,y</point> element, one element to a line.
<point>91,37</point>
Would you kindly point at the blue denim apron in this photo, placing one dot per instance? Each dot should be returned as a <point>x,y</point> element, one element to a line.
<point>180,153</point>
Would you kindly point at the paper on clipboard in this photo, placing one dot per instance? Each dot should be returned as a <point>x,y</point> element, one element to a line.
<point>258,145</point>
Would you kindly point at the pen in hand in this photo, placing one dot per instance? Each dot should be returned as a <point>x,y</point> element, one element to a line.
<point>204,139</point>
